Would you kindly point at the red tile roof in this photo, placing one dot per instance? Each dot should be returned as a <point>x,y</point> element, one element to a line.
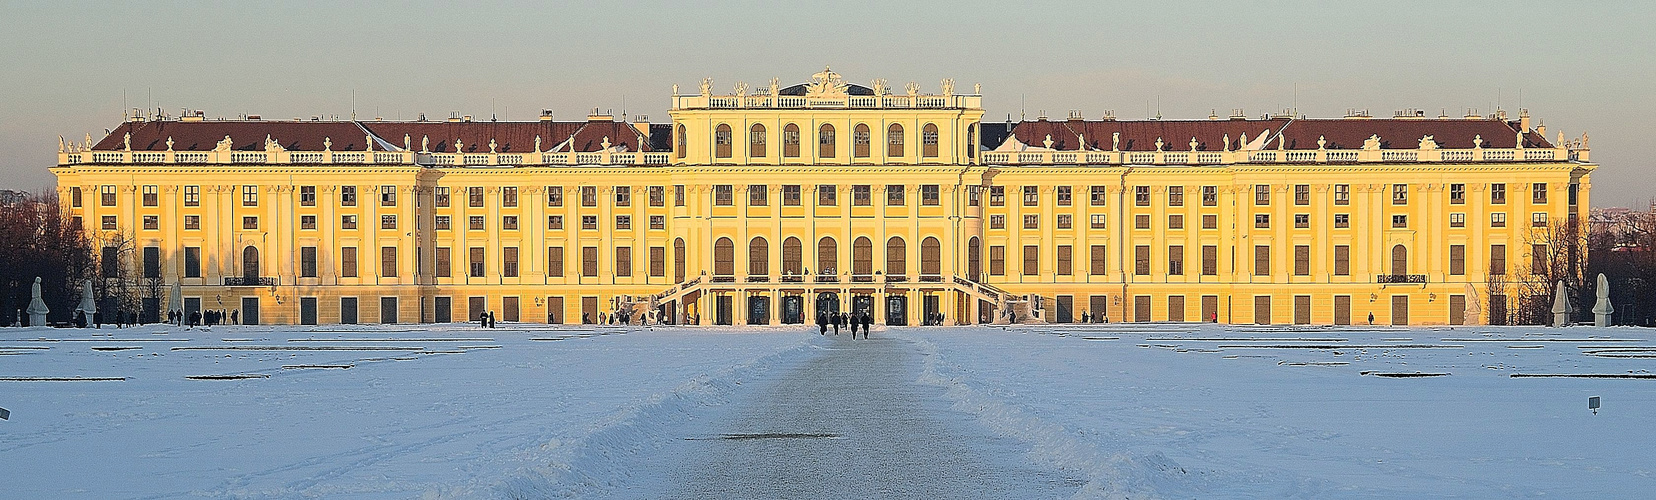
<point>244,135</point>
<point>1299,133</point>
<point>509,137</point>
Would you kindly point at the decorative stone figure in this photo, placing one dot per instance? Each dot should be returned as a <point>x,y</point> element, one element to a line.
<point>1194,143</point>
<point>1474,308</point>
<point>408,142</point>
<point>537,144</point>
<point>492,145</point>
<point>1561,306</point>
<point>327,144</point>
<point>169,143</point>
<point>1115,141</point>
<point>1372,143</point>
<point>1158,144</point>
<point>1602,309</point>
<point>948,86</point>
<point>707,87</point>
<point>1477,141</point>
<point>37,307</point>
<point>425,144</point>
<point>88,306</point>
<point>126,141</point>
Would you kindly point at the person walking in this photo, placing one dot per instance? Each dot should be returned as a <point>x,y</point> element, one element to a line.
<point>235,317</point>
<point>835,320</point>
<point>822,323</point>
<point>867,321</point>
<point>852,321</point>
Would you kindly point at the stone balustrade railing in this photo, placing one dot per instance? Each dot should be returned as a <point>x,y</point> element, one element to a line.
<point>1279,156</point>
<point>361,158</point>
<point>890,101</point>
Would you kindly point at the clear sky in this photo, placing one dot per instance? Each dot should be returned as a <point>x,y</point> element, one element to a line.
<point>71,67</point>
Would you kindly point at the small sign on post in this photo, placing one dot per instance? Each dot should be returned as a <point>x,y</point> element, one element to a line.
<point>5,414</point>
<point>1593,404</point>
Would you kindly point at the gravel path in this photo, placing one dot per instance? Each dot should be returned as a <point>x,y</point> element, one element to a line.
<point>850,423</point>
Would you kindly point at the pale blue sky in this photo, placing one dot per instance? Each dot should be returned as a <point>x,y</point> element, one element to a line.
<point>1589,67</point>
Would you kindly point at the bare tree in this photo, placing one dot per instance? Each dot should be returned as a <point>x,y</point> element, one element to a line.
<point>38,239</point>
<point>1557,253</point>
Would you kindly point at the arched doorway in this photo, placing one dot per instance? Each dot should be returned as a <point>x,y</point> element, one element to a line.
<point>862,256</point>
<point>896,256</point>
<point>827,256</point>
<point>724,257</point>
<point>974,257</point>
<point>792,258</point>
<point>250,265</point>
<point>931,257</point>
<point>758,257</point>
<point>1399,260</point>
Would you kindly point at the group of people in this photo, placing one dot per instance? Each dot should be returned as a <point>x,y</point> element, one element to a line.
<point>206,318</point>
<point>839,319</point>
<point>933,319</point>
<point>486,319</point>
<point>622,317</point>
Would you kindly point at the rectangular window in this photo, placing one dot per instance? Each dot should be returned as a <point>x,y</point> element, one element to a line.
<point>658,222</point>
<point>250,196</point>
<point>862,195</point>
<point>388,196</point>
<point>1100,261</point>
<point>152,196</point>
<point>1262,194</point>
<point>388,262</point>
<point>1031,221</point>
<point>974,195</point>
<point>444,266</point>
<point>442,222</point>
<point>152,222</point>
<point>1342,194</point>
<point>894,195</point>
<point>1141,221</point>
<point>1210,260</point>
<point>1575,193</point>
<point>623,196</point>
<point>554,196</point>
<point>1400,221</point>
<point>1175,221</point>
<point>348,262</point>
<point>589,196</point>
<point>790,195</point>
<point>1175,260</point>
<point>997,260</point>
<point>1065,221</point>
<point>250,222</point>
<point>1342,220</point>
<point>307,196</point>
<point>724,195</point>
<point>1302,221</point>
<point>440,197</point>
<point>997,221</point>
<point>307,222</point>
<point>1141,260</point>
<point>478,258</point>
<point>1064,196</point>
<point>555,262</point>
<point>658,261</point>
<point>347,222</point>
<point>1497,193</point>
<point>475,223</point>
<point>1262,221</point>
<point>1099,196</point>
<point>1031,196</point>
<point>554,223</point>
<point>1141,196</point>
<point>509,262</point>
<point>1031,260</point>
<point>1342,260</point>
<point>1302,260</point>
<point>109,223</point>
<point>1538,193</point>
<point>1099,221</point>
<point>1457,194</point>
<point>623,222</point>
<point>509,197</point>
<point>152,262</point>
<point>509,222</point>
<point>1262,260</point>
<point>75,197</point>
<point>678,195</point>
<point>1302,194</point>
<point>347,196</point>
<point>106,195</point>
<point>1538,260</point>
<point>827,195</point>
<point>997,196</point>
<point>658,196</point>
<point>589,222</point>
<point>1497,219</point>
<point>929,195</point>
<point>1210,221</point>
<point>1457,260</point>
<point>1175,196</point>
<point>192,262</point>
<point>589,261</point>
<point>192,196</point>
<point>474,197</point>
<point>1065,266</point>
<point>1457,220</point>
<point>1400,194</point>
<point>623,261</point>
<point>1538,219</point>
<point>388,222</point>
<point>1497,259</point>
<point>1210,196</point>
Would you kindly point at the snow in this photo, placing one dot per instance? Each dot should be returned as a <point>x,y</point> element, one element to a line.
<point>1089,411</point>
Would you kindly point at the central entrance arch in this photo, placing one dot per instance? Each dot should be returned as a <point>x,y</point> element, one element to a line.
<point>827,303</point>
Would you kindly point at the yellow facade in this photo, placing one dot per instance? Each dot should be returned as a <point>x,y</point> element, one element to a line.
<point>738,219</point>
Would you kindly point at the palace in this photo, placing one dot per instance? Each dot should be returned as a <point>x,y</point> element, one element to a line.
<point>769,205</point>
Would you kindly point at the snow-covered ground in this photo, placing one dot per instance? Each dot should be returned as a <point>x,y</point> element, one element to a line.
<point>1106,411</point>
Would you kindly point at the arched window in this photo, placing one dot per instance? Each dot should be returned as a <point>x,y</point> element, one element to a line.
<point>971,141</point>
<point>758,257</point>
<point>859,141</point>
<point>790,141</point>
<point>678,260</point>
<point>928,141</point>
<point>862,256</point>
<point>931,256</point>
<point>250,264</point>
<point>679,141</point>
<point>721,141</point>
<point>974,259</point>
<point>756,141</point>
<point>825,141</point>
<point>724,257</point>
<point>894,140</point>
<point>792,256</point>
<point>1400,260</point>
<point>896,256</point>
<point>827,256</point>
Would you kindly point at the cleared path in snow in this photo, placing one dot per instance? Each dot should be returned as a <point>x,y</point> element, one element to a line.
<point>850,423</point>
